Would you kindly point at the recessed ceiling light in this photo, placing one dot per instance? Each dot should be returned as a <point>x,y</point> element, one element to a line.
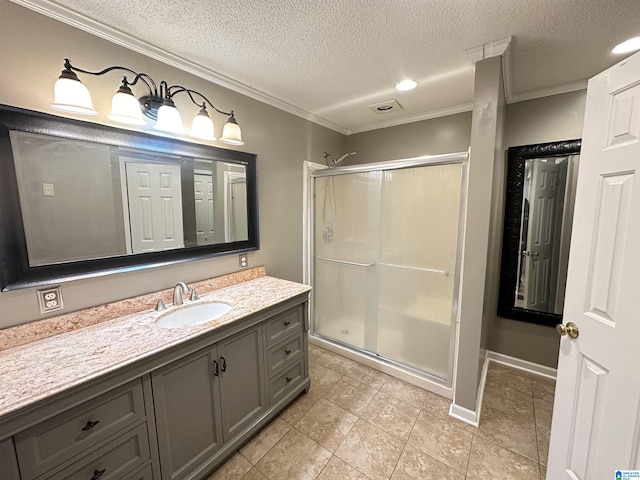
<point>627,46</point>
<point>405,85</point>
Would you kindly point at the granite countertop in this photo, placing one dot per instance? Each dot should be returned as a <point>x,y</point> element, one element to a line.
<point>37,370</point>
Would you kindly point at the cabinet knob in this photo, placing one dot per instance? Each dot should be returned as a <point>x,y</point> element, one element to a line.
<point>90,425</point>
<point>216,368</point>
<point>286,324</point>
<point>98,473</point>
<point>287,352</point>
<point>289,379</point>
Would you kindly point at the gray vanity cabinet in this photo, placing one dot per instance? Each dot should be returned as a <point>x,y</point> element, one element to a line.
<point>242,388</point>
<point>206,398</point>
<point>187,406</point>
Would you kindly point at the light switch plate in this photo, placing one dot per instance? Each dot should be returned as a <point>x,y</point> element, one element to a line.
<point>243,260</point>
<point>50,299</point>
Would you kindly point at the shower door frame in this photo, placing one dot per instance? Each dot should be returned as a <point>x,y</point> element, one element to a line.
<point>387,365</point>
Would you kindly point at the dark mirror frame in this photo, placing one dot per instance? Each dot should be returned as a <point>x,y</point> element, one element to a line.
<point>15,271</point>
<point>516,158</point>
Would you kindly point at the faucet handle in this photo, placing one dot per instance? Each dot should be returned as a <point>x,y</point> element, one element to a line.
<point>194,295</point>
<point>160,305</point>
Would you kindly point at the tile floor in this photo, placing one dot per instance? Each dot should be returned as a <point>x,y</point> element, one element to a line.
<point>359,424</point>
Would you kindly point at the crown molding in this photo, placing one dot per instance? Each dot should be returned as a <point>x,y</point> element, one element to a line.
<point>488,50</point>
<point>548,92</point>
<point>74,19</point>
<point>443,112</point>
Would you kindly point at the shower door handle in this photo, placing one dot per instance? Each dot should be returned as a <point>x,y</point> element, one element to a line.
<point>357,264</point>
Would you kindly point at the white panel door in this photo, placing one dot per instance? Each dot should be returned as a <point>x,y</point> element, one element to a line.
<point>542,220</point>
<point>203,191</point>
<point>155,206</point>
<point>596,421</point>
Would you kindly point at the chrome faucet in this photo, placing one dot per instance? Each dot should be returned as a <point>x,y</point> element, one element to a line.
<point>177,294</point>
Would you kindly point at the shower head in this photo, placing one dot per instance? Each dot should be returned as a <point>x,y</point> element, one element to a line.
<point>332,162</point>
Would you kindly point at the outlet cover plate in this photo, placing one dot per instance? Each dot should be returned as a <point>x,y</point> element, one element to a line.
<point>50,299</point>
<point>243,260</point>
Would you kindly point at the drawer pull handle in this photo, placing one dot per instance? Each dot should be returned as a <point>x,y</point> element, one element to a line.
<point>289,379</point>
<point>224,364</point>
<point>286,324</point>
<point>216,369</point>
<point>98,473</point>
<point>90,425</point>
<point>287,352</point>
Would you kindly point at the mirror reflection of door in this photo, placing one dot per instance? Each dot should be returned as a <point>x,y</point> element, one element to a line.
<point>235,207</point>
<point>204,200</point>
<point>544,233</point>
<point>155,206</point>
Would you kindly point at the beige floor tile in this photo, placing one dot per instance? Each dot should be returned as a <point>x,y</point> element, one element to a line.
<point>442,440</point>
<point>508,378</point>
<point>517,433</point>
<point>370,450</point>
<point>254,474</point>
<point>415,465</point>
<point>331,360</point>
<point>322,378</point>
<point>337,469</point>
<point>265,440</point>
<point>490,461</point>
<point>351,395</point>
<point>543,434</point>
<point>327,424</point>
<point>234,469</point>
<point>543,388</point>
<point>406,392</point>
<point>367,375</point>
<point>511,401</point>
<point>436,405</point>
<point>391,415</point>
<point>543,411</point>
<point>302,405</point>
<point>294,457</point>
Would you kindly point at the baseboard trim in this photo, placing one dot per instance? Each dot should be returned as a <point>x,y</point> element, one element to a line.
<point>464,414</point>
<point>523,365</point>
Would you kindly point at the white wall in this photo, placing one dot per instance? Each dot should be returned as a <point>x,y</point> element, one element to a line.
<point>34,48</point>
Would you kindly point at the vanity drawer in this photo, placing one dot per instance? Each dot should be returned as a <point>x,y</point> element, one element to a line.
<point>142,473</point>
<point>286,353</point>
<point>48,444</point>
<point>113,461</point>
<point>290,378</point>
<point>284,324</point>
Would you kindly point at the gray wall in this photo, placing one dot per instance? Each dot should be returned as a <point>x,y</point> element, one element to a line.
<point>34,48</point>
<point>548,119</point>
<point>428,137</point>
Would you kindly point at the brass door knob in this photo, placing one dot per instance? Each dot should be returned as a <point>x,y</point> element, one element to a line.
<point>570,329</point>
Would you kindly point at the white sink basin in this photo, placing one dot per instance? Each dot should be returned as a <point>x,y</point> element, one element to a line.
<point>191,315</point>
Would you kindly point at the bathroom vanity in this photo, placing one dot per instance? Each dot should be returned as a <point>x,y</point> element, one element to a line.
<point>129,400</point>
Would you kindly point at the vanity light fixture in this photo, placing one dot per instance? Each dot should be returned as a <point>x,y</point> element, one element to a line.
<point>71,95</point>
<point>406,85</point>
<point>627,46</point>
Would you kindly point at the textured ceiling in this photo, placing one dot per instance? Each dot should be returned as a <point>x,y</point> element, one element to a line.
<point>329,59</point>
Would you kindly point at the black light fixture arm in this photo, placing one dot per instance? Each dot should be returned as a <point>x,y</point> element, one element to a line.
<point>146,79</point>
<point>174,89</point>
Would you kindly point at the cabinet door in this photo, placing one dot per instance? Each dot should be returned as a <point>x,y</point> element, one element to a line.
<point>8,461</point>
<point>242,385</point>
<point>187,406</point>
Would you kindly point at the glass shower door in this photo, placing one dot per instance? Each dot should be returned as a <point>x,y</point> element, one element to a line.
<point>385,263</point>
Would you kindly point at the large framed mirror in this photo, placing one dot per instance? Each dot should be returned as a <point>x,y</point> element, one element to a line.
<point>541,185</point>
<point>81,199</point>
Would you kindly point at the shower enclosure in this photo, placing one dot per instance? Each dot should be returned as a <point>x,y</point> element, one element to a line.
<point>386,253</point>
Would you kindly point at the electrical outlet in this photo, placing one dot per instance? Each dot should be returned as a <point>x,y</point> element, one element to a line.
<point>50,299</point>
<point>243,260</point>
<point>47,190</point>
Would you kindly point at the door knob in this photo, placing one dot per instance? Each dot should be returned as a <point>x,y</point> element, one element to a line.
<point>570,329</point>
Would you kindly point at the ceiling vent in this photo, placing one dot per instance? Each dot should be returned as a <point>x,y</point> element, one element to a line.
<point>385,107</point>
